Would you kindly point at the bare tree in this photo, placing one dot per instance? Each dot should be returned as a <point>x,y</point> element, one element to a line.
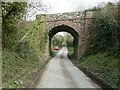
<point>35,8</point>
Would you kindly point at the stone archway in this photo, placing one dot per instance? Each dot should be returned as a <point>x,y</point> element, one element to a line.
<point>70,30</point>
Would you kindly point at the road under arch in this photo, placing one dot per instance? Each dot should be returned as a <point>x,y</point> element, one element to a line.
<point>68,29</point>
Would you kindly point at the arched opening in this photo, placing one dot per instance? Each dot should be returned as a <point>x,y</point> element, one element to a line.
<point>60,40</point>
<point>68,29</point>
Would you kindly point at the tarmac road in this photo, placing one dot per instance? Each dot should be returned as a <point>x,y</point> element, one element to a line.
<point>61,73</point>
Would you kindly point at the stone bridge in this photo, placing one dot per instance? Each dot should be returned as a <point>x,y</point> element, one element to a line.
<point>75,23</point>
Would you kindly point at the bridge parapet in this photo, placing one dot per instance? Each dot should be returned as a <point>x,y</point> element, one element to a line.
<point>73,19</point>
<point>61,16</point>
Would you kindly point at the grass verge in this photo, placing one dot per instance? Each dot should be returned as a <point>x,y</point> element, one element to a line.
<point>102,66</point>
<point>70,51</point>
<point>54,52</point>
<point>17,67</point>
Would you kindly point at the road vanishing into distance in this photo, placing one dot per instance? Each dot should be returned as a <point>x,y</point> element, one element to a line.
<point>61,73</point>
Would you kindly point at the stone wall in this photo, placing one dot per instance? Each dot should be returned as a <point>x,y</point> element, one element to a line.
<point>79,21</point>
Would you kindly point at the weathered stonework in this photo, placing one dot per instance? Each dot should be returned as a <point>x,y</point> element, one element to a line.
<point>75,23</point>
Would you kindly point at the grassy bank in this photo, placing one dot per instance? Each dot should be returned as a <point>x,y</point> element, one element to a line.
<point>24,48</point>
<point>70,51</point>
<point>18,67</point>
<point>101,65</point>
<point>104,67</point>
<point>54,53</point>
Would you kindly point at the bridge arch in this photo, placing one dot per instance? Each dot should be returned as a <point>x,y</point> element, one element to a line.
<point>68,29</point>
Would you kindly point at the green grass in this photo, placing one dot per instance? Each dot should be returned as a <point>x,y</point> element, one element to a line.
<point>70,51</point>
<point>54,52</point>
<point>17,67</point>
<point>104,67</point>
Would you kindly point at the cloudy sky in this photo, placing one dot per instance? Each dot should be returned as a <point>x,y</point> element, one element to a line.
<point>61,6</point>
<point>58,6</point>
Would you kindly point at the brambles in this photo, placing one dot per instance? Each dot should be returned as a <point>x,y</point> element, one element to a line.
<point>24,45</point>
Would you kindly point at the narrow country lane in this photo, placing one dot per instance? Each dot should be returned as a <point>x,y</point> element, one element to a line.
<point>61,73</point>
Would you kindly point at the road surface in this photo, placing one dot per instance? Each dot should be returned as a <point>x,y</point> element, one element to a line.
<point>61,73</point>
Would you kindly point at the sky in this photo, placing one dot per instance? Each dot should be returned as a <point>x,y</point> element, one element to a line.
<point>61,6</point>
<point>58,6</point>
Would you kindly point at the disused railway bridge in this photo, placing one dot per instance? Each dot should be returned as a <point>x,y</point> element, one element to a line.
<point>75,23</point>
